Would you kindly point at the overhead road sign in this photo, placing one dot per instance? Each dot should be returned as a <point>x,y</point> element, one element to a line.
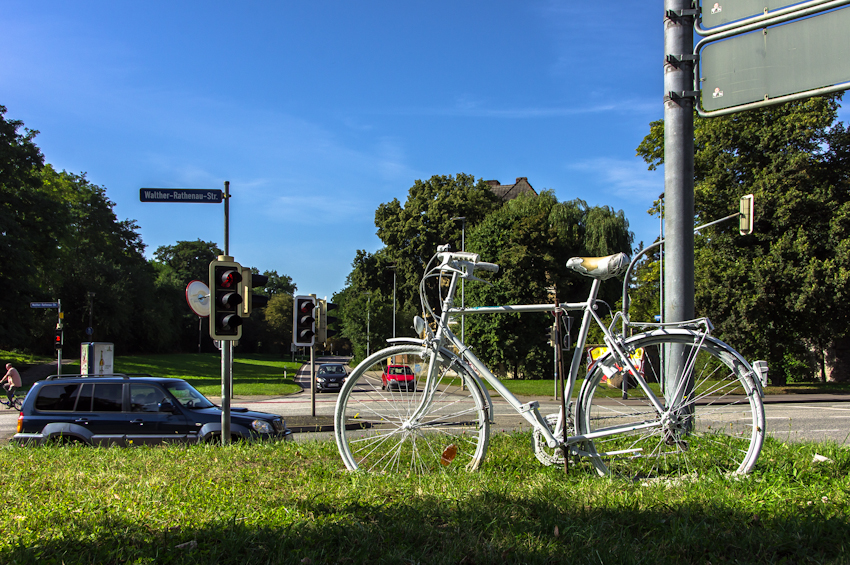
<point>197,195</point>
<point>801,58</point>
<point>721,15</point>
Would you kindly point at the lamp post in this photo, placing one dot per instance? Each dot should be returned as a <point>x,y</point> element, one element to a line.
<point>462,285</point>
<point>393,269</point>
<point>368,321</point>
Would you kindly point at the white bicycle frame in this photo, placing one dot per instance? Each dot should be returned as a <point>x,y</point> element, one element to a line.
<point>530,411</point>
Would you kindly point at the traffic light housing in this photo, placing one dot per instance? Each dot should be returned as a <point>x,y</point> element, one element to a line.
<point>58,339</point>
<point>225,299</point>
<point>251,280</point>
<point>552,335</point>
<point>323,329</point>
<point>304,321</point>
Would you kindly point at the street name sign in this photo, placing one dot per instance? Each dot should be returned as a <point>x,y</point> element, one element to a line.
<point>44,305</point>
<point>795,58</point>
<point>199,195</point>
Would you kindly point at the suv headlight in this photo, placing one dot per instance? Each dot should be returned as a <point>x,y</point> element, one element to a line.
<point>261,426</point>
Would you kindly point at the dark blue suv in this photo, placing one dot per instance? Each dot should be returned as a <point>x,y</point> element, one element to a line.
<point>132,410</point>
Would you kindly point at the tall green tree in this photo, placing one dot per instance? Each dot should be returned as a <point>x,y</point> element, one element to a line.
<point>781,293</point>
<point>531,239</point>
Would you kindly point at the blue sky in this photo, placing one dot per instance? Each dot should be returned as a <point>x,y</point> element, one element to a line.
<point>317,112</point>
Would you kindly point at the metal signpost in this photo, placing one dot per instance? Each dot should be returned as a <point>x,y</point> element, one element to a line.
<point>755,53</point>
<point>207,196</point>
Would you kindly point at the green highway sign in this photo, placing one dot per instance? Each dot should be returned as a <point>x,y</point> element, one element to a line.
<point>797,57</point>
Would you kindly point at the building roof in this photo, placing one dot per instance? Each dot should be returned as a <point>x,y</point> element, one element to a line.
<point>510,191</point>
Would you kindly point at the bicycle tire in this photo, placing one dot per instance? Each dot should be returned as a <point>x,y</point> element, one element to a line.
<point>17,403</point>
<point>717,427</point>
<point>373,427</point>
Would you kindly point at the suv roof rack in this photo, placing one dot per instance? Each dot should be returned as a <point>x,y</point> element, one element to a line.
<point>95,376</point>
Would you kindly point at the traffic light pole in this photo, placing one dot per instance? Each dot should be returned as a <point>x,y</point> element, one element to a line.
<point>226,389</point>
<point>59,326</point>
<point>226,345</point>
<point>313,370</point>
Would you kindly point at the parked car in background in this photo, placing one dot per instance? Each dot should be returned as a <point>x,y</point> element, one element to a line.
<point>398,377</point>
<point>129,410</point>
<point>330,376</point>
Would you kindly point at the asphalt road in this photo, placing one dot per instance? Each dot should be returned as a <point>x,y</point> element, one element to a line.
<point>789,418</point>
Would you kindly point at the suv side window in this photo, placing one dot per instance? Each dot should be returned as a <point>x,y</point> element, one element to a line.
<point>57,397</point>
<point>107,397</point>
<point>145,398</point>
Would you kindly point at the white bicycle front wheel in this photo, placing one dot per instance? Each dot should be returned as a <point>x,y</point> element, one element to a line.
<point>716,425</point>
<point>388,419</point>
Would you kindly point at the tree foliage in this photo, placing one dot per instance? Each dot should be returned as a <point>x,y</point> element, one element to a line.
<point>779,294</point>
<point>531,238</point>
<point>411,233</point>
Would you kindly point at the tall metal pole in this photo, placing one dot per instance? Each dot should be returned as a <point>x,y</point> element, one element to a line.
<point>368,322</point>
<point>227,217</point>
<point>678,162</point>
<point>226,346</point>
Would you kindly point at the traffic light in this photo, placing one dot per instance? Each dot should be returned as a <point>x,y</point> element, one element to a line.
<point>323,329</point>
<point>58,339</point>
<point>251,280</point>
<point>225,299</point>
<point>304,321</point>
<point>552,335</point>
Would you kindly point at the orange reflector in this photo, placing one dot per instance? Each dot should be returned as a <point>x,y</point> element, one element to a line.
<point>448,455</point>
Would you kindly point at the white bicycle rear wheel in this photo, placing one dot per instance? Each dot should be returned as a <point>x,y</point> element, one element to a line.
<point>717,426</point>
<point>377,428</point>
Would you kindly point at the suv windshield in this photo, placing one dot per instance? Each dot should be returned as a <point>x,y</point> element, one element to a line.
<point>187,396</point>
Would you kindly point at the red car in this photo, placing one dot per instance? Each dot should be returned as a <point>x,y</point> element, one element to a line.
<point>399,377</point>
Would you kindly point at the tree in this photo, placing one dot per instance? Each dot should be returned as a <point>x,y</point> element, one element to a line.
<point>411,233</point>
<point>531,239</point>
<point>30,220</point>
<point>188,260</point>
<point>781,293</point>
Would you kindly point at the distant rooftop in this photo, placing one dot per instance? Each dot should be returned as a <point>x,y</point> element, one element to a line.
<point>510,191</point>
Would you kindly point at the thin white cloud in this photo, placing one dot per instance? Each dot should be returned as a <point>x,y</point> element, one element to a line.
<point>628,179</point>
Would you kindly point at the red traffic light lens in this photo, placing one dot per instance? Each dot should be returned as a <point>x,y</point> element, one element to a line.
<point>230,278</point>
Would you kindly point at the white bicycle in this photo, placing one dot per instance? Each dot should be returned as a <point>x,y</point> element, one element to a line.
<point>670,400</point>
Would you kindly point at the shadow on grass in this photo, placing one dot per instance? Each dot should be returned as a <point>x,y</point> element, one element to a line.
<point>489,528</point>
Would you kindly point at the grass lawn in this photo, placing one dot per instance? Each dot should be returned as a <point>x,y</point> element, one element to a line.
<point>252,374</point>
<point>294,503</point>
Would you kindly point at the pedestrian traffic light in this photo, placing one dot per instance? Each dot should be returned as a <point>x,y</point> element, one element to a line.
<point>225,299</point>
<point>304,321</point>
<point>58,340</point>
<point>324,323</point>
<point>251,280</point>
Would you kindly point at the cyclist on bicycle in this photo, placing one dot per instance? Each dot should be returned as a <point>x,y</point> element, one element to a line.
<point>11,381</point>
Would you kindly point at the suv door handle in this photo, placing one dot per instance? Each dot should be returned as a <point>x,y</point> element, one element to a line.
<point>81,421</point>
<point>138,421</point>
